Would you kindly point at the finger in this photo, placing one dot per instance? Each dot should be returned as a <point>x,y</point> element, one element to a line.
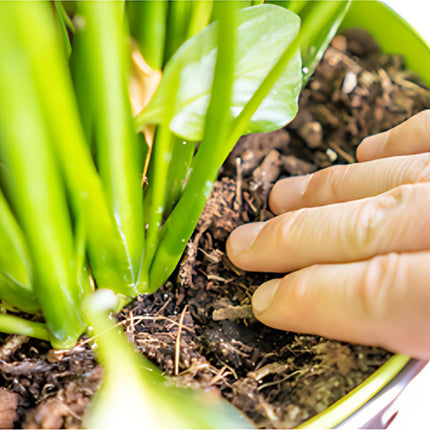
<point>383,302</point>
<point>348,182</point>
<point>410,137</point>
<point>397,220</point>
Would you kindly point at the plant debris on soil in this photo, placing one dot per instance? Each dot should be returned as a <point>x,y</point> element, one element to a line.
<point>279,379</point>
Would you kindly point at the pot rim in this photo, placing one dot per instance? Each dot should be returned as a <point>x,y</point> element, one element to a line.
<point>376,17</point>
<point>385,384</point>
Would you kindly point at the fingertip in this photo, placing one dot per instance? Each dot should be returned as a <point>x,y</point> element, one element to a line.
<point>241,240</point>
<point>371,148</point>
<point>286,194</point>
<point>263,297</point>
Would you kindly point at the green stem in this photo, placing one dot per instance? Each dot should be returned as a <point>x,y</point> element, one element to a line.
<point>149,28</point>
<point>156,197</point>
<point>200,16</point>
<point>17,295</point>
<point>64,22</point>
<point>109,263</point>
<point>33,179</point>
<point>313,49</point>
<point>182,155</point>
<point>295,6</point>
<point>13,325</point>
<point>179,226</point>
<point>119,157</point>
<point>15,266</point>
<point>177,25</point>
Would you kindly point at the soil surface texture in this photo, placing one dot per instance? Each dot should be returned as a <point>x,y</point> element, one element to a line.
<point>279,379</point>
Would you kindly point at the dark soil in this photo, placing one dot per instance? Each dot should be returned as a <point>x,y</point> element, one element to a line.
<point>279,379</point>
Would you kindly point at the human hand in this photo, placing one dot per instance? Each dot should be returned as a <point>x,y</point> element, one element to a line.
<point>356,239</point>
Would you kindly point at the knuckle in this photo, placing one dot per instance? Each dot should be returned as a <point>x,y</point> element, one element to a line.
<point>422,168</point>
<point>287,226</point>
<point>325,183</point>
<point>379,278</point>
<point>367,222</point>
<point>303,280</point>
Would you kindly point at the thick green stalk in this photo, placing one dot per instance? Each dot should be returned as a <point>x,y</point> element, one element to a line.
<point>148,24</point>
<point>35,185</point>
<point>182,157</point>
<point>13,325</point>
<point>94,222</point>
<point>64,23</point>
<point>16,295</point>
<point>118,156</point>
<point>177,26</point>
<point>201,11</point>
<point>156,197</point>
<point>180,224</point>
<point>15,267</point>
<point>295,6</point>
<point>313,49</point>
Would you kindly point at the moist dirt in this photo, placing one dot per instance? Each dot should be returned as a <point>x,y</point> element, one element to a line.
<point>278,379</point>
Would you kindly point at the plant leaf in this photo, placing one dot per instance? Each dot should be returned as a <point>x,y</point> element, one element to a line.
<point>263,33</point>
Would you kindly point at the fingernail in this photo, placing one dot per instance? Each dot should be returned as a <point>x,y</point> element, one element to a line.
<point>243,237</point>
<point>372,147</point>
<point>287,193</point>
<point>263,296</point>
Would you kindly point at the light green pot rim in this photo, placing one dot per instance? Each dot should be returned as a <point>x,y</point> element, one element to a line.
<point>359,396</point>
<point>395,36</point>
<point>392,33</point>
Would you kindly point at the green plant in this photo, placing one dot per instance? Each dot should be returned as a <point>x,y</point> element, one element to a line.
<point>73,214</point>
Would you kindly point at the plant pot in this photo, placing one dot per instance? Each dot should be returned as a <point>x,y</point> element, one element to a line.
<point>372,403</point>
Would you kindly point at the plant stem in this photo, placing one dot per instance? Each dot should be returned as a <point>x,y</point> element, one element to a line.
<point>64,22</point>
<point>15,267</point>
<point>177,25</point>
<point>34,182</point>
<point>200,16</point>
<point>109,263</point>
<point>158,174</point>
<point>149,27</point>
<point>13,325</point>
<point>180,224</point>
<point>182,155</point>
<point>313,49</point>
<point>118,155</point>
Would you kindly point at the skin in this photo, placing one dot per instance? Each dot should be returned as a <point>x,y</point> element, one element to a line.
<point>355,242</point>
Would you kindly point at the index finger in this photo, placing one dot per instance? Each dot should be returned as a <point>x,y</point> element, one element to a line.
<point>396,221</point>
<point>343,183</point>
<point>409,137</point>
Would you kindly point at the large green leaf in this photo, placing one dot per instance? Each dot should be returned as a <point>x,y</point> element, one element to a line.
<point>263,33</point>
